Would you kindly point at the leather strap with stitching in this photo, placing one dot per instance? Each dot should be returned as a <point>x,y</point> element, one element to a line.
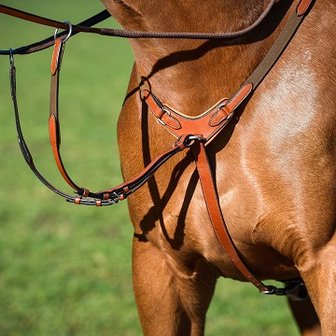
<point>54,125</point>
<point>215,213</point>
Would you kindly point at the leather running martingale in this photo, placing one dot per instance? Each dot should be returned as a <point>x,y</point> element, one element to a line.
<point>190,132</point>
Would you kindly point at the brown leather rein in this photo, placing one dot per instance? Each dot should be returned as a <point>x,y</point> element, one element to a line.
<point>194,133</point>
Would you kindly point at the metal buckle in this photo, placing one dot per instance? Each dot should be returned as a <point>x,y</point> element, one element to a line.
<point>165,111</point>
<point>272,290</point>
<point>294,289</point>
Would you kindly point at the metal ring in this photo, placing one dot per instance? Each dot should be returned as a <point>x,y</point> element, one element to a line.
<point>69,32</point>
<point>196,137</point>
<point>191,138</point>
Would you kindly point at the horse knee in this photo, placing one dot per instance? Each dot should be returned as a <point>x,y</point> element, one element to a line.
<point>169,302</point>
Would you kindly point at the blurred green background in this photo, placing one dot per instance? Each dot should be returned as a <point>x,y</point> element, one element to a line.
<point>64,269</point>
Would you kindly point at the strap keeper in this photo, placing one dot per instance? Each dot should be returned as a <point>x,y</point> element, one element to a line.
<point>78,200</point>
<point>56,55</point>
<point>85,192</point>
<point>144,88</point>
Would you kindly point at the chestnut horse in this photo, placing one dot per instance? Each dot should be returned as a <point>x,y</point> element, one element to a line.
<point>274,163</point>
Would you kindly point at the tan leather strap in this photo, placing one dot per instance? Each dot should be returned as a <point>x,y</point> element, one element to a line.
<point>211,200</point>
<point>280,44</point>
<point>54,125</point>
<point>207,124</point>
<point>294,288</point>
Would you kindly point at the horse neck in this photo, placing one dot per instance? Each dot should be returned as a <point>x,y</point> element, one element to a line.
<point>192,75</point>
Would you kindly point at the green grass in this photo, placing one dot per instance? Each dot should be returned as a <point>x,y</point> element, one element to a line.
<point>66,270</point>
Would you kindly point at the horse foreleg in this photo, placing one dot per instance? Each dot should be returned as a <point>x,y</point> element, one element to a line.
<point>170,301</point>
<point>320,278</point>
<point>306,317</point>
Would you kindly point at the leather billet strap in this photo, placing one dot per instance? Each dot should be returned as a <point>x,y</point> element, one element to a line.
<point>293,288</point>
<point>54,125</point>
<point>215,213</point>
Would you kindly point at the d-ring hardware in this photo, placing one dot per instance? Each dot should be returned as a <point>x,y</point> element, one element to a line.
<point>190,139</point>
<point>69,32</point>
